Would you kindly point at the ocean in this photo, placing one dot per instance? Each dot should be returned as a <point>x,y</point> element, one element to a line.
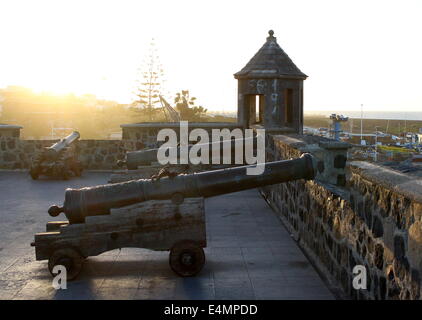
<point>352,114</point>
<point>376,115</point>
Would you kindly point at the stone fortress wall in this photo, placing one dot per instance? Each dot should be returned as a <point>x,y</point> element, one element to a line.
<point>16,153</point>
<point>373,218</point>
<point>94,154</point>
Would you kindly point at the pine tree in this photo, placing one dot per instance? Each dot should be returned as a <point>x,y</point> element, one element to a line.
<point>149,85</point>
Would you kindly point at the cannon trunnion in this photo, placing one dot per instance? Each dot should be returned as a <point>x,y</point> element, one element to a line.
<point>57,160</point>
<point>165,214</point>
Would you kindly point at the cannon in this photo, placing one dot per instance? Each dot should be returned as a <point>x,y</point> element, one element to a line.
<point>143,164</point>
<point>134,159</point>
<point>57,160</point>
<point>166,214</point>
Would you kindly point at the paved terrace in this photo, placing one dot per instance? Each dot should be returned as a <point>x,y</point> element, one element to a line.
<point>249,256</point>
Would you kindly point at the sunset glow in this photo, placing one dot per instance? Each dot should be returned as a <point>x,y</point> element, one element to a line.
<point>354,52</point>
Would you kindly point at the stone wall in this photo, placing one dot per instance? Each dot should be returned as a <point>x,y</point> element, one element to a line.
<point>18,154</point>
<point>103,154</point>
<point>8,130</point>
<point>374,219</point>
<point>94,154</point>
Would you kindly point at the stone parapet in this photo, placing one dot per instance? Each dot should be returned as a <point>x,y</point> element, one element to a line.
<point>16,153</point>
<point>374,220</point>
<point>331,155</point>
<point>9,130</point>
<point>93,154</point>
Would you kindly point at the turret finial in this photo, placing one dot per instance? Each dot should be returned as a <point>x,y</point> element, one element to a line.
<point>271,35</point>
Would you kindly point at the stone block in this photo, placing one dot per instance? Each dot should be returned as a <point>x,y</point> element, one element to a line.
<point>415,245</point>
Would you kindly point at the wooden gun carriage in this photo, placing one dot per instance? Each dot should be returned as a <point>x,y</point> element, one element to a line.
<point>166,214</point>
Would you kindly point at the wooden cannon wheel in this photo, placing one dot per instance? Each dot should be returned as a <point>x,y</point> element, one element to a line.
<point>186,258</point>
<point>69,258</point>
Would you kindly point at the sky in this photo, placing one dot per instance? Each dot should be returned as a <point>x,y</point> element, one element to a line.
<point>354,52</point>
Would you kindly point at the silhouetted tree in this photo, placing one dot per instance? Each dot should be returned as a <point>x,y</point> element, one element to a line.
<point>185,105</point>
<point>149,85</point>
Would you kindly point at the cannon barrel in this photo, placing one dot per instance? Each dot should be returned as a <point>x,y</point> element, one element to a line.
<point>98,200</point>
<point>62,144</point>
<point>139,158</point>
<point>134,159</point>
